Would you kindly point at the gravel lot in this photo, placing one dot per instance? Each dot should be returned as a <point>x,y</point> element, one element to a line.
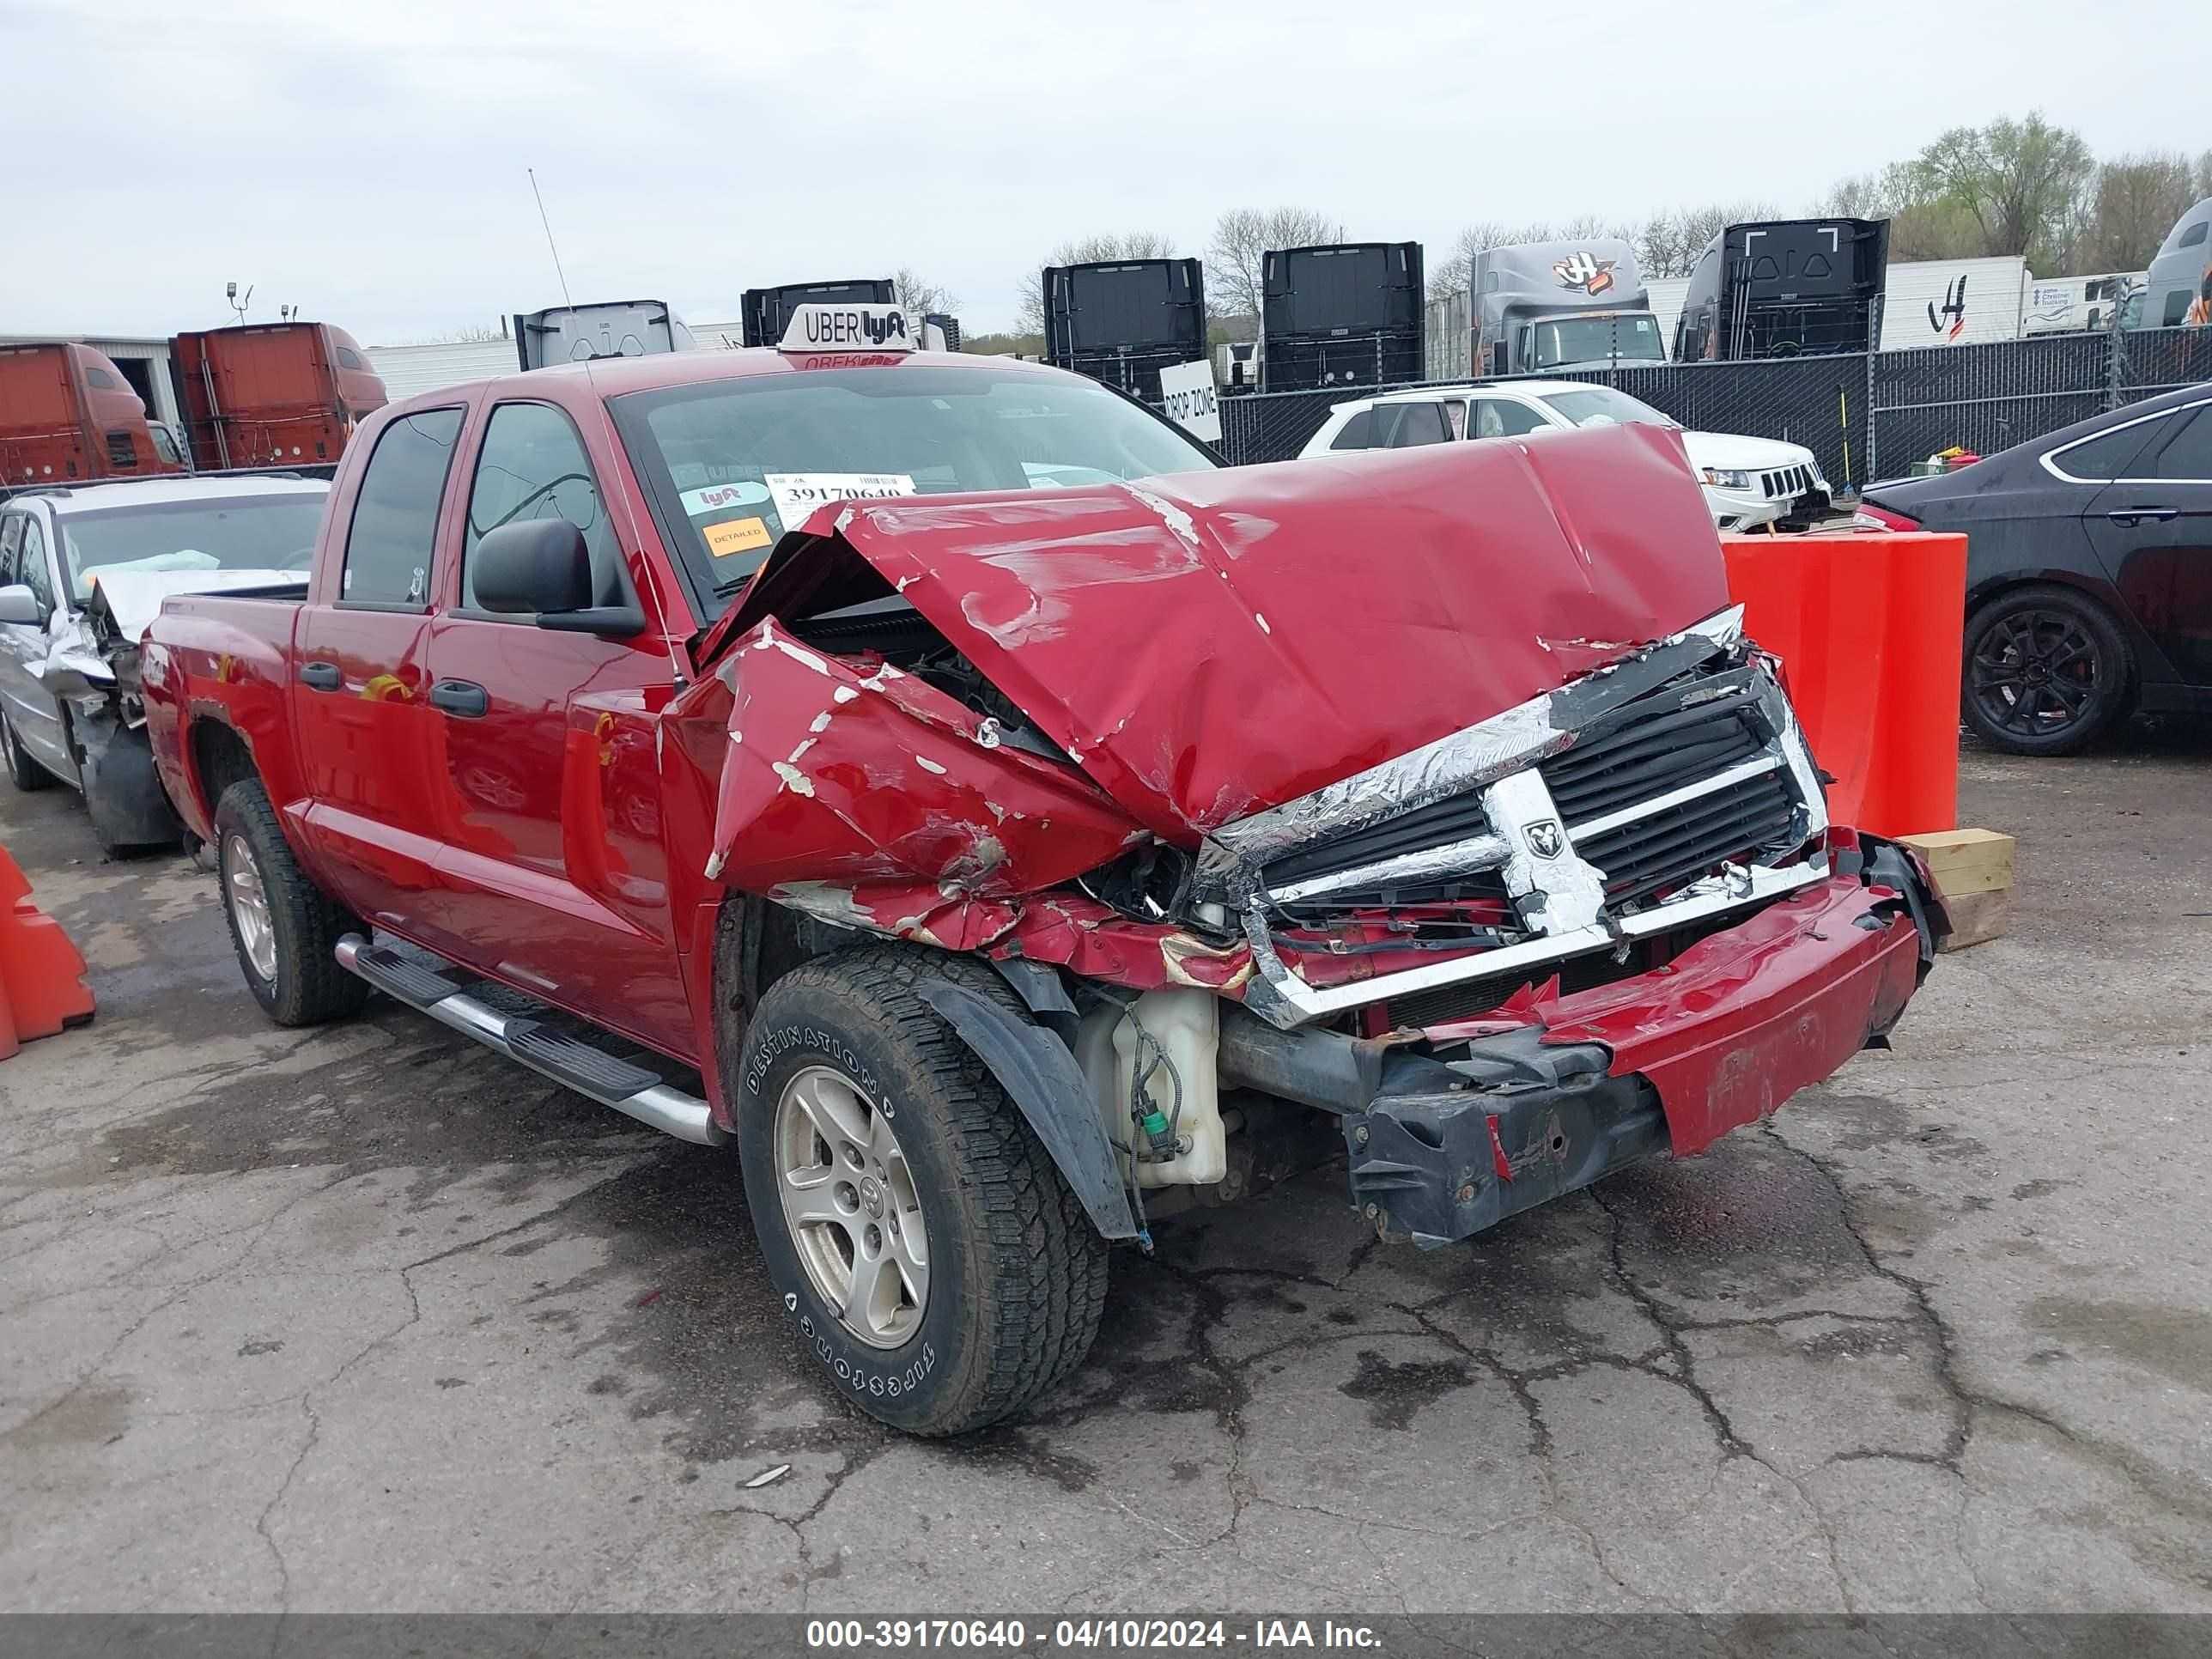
<point>361,1318</point>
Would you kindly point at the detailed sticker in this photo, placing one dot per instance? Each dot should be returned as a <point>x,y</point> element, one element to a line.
<point>735,536</point>
<point>797,494</point>
<point>719,497</point>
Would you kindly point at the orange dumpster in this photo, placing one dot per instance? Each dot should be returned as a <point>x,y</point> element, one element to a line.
<point>1868,629</point>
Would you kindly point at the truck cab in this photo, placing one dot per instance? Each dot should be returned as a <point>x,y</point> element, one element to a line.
<point>2178,288</point>
<point>68,416</point>
<point>935,776</point>
<point>1556,307</point>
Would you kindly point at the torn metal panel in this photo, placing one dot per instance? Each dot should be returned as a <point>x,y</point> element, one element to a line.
<point>1402,598</point>
<point>839,779</point>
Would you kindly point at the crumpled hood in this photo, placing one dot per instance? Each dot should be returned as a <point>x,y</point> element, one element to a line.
<point>1213,643</point>
<point>133,598</point>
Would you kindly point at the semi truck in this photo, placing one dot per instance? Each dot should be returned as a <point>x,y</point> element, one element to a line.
<point>1123,320</point>
<point>272,394</point>
<point>885,761</point>
<point>767,312</point>
<point>1786,287</point>
<point>66,415</point>
<point>2178,291</point>
<point>1342,315</point>
<point>606,328</point>
<point>1557,307</point>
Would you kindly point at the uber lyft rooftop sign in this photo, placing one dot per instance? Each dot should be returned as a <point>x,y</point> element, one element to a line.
<point>857,326</point>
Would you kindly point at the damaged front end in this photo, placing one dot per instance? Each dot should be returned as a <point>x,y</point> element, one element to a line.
<point>1150,745</point>
<point>92,672</point>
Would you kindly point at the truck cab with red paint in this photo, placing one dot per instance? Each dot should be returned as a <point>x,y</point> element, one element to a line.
<point>939,777</point>
<point>67,415</point>
<point>272,394</point>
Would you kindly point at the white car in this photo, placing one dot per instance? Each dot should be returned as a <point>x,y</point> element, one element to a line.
<point>1748,481</point>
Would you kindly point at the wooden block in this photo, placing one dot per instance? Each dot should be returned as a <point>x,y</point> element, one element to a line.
<point>1977,918</point>
<point>1965,862</point>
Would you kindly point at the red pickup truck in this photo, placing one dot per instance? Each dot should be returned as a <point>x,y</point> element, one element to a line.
<point>939,777</point>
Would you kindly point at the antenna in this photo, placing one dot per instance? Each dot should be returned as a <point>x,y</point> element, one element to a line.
<point>549,245</point>
<point>615,500</point>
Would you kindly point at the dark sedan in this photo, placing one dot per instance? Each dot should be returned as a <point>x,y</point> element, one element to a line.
<point>2089,572</point>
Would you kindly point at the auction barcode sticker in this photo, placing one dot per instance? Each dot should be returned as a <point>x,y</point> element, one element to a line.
<point>797,494</point>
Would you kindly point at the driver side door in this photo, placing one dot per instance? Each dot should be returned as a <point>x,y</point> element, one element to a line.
<point>33,714</point>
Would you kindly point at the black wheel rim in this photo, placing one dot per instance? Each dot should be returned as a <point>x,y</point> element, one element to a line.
<point>2036,674</point>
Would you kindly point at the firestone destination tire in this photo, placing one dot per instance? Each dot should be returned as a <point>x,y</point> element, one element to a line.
<point>929,1254</point>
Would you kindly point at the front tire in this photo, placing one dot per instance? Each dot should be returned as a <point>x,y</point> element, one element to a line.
<point>2047,672</point>
<point>25,773</point>
<point>284,928</point>
<point>929,1254</point>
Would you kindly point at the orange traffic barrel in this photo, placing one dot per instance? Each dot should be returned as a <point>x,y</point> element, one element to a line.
<point>42,982</point>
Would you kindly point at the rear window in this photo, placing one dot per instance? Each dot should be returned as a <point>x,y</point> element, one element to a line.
<point>733,464</point>
<point>243,532</point>
<point>395,513</point>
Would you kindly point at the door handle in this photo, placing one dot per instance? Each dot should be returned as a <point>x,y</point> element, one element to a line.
<point>463,697</point>
<point>2131,515</point>
<point>323,676</point>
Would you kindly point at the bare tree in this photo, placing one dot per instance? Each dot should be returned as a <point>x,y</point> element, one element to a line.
<point>1236,281</point>
<point>2138,199</point>
<point>1129,245</point>
<point>1668,244</point>
<point>918,297</point>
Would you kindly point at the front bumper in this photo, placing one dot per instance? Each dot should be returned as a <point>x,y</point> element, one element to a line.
<point>1670,1060</point>
<point>1737,510</point>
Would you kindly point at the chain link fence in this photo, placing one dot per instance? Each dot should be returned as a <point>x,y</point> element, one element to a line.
<point>1865,414</point>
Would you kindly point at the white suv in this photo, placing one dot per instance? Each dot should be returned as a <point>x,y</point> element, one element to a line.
<point>1748,481</point>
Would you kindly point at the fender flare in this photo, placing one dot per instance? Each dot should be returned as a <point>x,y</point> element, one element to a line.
<point>1042,1077</point>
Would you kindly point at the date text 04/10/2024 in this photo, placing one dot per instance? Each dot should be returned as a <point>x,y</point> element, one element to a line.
<point>1114,1635</point>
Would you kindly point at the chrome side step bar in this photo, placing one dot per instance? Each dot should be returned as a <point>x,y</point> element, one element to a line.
<point>628,1089</point>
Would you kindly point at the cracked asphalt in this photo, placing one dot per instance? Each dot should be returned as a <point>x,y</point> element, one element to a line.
<point>361,1318</point>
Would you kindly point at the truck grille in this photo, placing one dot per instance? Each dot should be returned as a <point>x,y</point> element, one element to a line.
<point>1612,790</point>
<point>1680,844</point>
<point>1785,483</point>
<point>1437,824</point>
<point>1655,745</point>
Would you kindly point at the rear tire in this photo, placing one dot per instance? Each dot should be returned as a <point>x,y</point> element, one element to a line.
<point>25,773</point>
<point>2047,672</point>
<point>284,928</point>
<point>842,1049</point>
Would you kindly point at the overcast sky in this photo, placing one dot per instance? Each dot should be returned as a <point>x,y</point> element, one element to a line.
<point>366,161</point>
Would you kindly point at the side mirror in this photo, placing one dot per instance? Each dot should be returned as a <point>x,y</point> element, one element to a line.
<point>541,568</point>
<point>20,606</point>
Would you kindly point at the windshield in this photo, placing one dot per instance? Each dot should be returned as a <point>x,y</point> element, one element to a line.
<point>1634,336</point>
<point>733,464</point>
<point>1600,405</point>
<point>239,532</point>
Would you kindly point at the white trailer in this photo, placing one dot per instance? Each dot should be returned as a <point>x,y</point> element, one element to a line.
<point>1936,302</point>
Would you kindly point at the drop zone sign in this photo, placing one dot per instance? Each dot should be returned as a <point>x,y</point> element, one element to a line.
<point>1187,397</point>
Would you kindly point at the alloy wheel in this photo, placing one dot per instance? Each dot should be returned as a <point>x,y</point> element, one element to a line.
<point>850,1204</point>
<point>2035,672</point>
<point>249,906</point>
